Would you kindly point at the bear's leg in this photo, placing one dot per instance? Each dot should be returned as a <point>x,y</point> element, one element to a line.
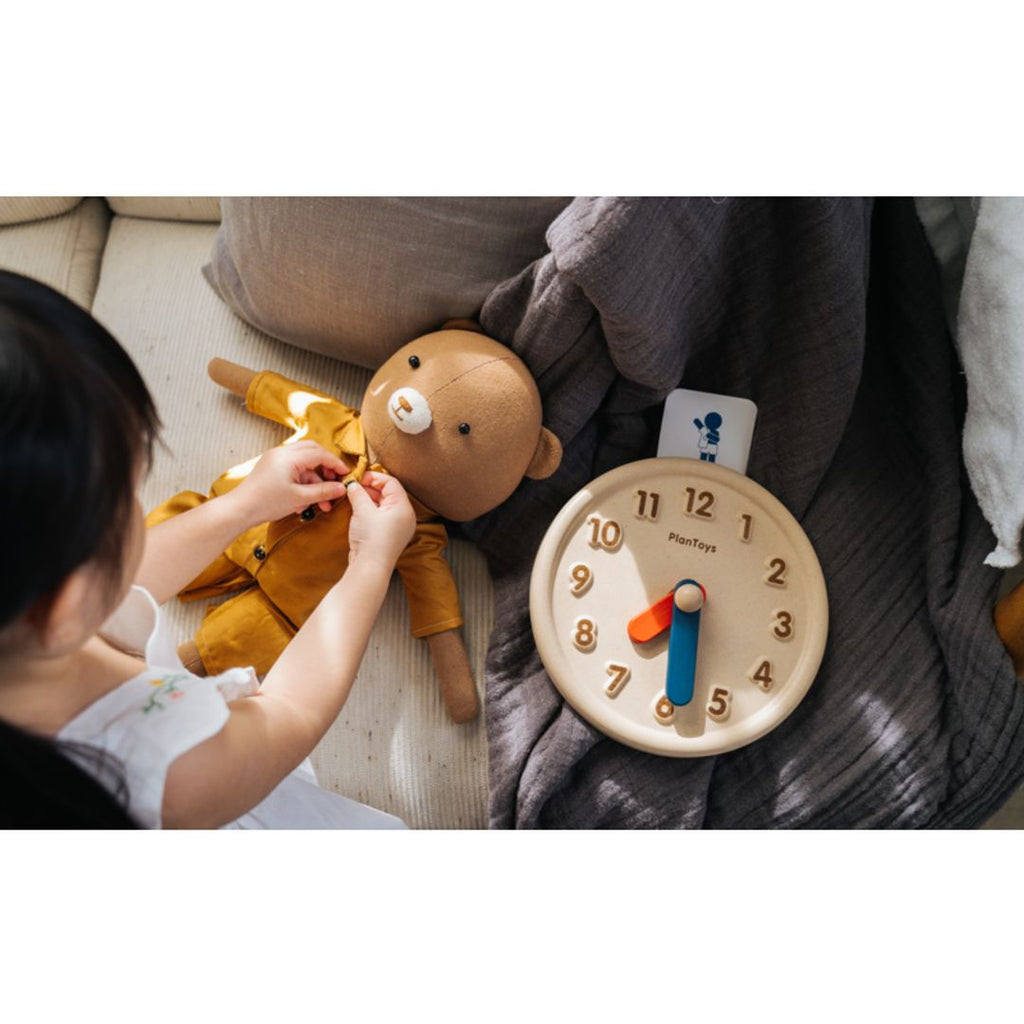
<point>191,658</point>
<point>245,630</point>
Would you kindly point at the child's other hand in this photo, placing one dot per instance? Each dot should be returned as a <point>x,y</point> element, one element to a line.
<point>289,479</point>
<point>383,521</point>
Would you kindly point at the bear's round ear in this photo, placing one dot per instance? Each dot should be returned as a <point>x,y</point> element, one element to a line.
<point>546,458</point>
<point>462,325</point>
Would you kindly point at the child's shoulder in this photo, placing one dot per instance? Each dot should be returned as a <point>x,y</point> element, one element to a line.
<point>185,707</point>
<point>145,723</point>
<point>149,721</point>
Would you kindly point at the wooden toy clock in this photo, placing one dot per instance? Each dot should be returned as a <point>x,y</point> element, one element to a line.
<point>679,607</point>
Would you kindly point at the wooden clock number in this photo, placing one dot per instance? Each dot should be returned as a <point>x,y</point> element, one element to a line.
<point>761,674</point>
<point>783,627</point>
<point>582,576</point>
<point>584,635</point>
<point>664,710</point>
<point>647,503</point>
<point>699,503</point>
<point>746,526</point>
<point>604,533</point>
<point>720,704</point>
<point>618,677</point>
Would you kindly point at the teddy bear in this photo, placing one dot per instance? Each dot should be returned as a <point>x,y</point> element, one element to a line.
<point>455,415</point>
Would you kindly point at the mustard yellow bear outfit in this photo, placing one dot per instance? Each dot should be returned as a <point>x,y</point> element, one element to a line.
<point>283,569</point>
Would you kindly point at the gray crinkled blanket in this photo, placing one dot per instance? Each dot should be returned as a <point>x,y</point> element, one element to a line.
<point>828,314</point>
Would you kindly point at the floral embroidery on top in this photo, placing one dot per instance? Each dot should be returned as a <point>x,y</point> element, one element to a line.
<point>168,687</point>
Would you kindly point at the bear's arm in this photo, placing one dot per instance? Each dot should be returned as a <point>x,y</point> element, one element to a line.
<point>429,586</point>
<point>282,400</point>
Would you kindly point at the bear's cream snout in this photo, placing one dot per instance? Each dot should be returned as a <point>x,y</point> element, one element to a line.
<point>409,411</point>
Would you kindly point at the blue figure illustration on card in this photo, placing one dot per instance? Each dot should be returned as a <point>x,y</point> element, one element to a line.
<point>707,443</point>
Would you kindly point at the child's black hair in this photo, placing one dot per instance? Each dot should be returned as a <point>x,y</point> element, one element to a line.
<point>42,788</point>
<point>77,424</point>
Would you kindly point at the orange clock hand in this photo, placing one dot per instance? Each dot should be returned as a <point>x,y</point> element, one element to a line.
<point>647,625</point>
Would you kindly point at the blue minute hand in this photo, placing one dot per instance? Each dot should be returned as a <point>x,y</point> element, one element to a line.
<point>682,642</point>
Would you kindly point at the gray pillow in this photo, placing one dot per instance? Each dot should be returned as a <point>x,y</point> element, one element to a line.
<point>357,278</point>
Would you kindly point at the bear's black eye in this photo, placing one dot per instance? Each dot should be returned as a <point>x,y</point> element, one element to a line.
<point>414,362</point>
<point>463,428</point>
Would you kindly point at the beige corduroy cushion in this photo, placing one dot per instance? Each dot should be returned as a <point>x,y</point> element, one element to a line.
<point>357,278</point>
<point>22,209</point>
<point>63,252</point>
<point>193,208</point>
<point>393,746</point>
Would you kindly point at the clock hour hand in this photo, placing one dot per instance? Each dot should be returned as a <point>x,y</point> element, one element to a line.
<point>687,600</point>
<point>655,620</point>
<point>652,622</point>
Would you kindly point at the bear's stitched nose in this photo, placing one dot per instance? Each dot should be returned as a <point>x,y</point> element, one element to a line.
<point>409,411</point>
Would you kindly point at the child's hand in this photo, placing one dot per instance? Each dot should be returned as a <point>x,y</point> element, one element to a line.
<point>383,521</point>
<point>288,479</point>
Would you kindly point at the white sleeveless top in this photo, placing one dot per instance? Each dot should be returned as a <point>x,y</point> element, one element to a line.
<point>147,722</point>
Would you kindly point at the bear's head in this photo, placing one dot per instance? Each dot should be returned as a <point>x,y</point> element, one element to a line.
<point>456,416</point>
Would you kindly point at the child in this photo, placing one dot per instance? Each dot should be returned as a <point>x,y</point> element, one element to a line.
<point>86,672</point>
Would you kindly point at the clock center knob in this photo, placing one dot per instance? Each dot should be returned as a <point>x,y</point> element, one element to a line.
<point>689,597</point>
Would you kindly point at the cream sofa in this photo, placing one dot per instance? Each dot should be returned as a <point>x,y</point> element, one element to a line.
<point>136,264</point>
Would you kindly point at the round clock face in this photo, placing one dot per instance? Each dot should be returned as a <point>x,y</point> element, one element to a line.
<point>679,607</point>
